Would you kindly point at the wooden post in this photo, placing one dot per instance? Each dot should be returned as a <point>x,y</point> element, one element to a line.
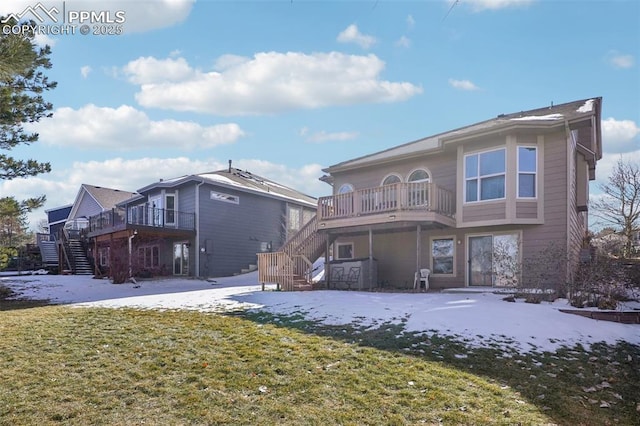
<point>327,262</point>
<point>370,259</point>
<point>418,256</point>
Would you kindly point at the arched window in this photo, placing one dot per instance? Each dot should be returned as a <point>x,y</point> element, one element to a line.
<point>347,187</point>
<point>418,188</point>
<point>419,176</point>
<point>391,179</point>
<point>389,194</point>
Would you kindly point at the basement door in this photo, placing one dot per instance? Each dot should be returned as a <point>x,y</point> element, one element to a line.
<point>180,259</point>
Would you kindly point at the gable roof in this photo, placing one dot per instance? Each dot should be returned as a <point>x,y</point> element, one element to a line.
<point>241,180</point>
<point>102,198</point>
<point>541,118</point>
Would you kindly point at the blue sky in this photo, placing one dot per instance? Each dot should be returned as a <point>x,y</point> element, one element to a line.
<point>285,88</point>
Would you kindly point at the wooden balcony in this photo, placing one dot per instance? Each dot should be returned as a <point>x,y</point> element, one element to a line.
<point>389,206</point>
<point>141,218</point>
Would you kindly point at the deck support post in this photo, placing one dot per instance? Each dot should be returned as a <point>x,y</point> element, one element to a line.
<point>418,255</point>
<point>370,259</point>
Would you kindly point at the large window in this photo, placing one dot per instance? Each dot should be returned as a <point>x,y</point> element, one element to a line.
<point>484,175</point>
<point>149,257</point>
<point>442,255</point>
<point>527,169</point>
<point>345,250</point>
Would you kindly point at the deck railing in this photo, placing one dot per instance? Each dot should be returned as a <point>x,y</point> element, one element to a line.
<point>141,215</point>
<point>388,198</point>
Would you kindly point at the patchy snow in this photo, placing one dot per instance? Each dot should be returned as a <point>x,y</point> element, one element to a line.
<point>479,319</point>
<point>587,107</point>
<point>540,117</point>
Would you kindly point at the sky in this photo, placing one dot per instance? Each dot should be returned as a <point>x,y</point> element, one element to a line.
<point>287,88</point>
<point>479,319</point>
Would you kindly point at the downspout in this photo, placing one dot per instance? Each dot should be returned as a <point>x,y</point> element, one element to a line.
<point>197,245</point>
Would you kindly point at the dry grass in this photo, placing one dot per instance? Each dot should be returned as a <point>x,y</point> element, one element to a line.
<point>63,365</point>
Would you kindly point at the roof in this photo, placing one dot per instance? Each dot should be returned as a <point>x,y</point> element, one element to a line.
<point>107,198</point>
<point>241,180</point>
<point>547,117</point>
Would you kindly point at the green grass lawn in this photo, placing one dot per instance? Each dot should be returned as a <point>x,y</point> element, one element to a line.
<point>61,365</point>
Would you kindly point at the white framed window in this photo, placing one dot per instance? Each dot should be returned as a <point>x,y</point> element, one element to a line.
<point>345,188</point>
<point>391,179</point>
<point>170,209</point>
<point>344,250</point>
<point>103,256</point>
<point>419,175</point>
<point>443,256</point>
<point>527,171</point>
<point>484,175</point>
<point>294,216</point>
<point>220,196</point>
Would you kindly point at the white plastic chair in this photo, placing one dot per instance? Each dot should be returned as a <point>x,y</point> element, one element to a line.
<point>422,277</point>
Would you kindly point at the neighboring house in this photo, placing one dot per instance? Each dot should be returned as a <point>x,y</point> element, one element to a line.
<point>56,218</point>
<point>67,223</point>
<point>469,204</point>
<point>202,225</point>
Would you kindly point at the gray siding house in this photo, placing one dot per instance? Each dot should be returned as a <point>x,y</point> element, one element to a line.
<point>202,225</point>
<point>467,204</point>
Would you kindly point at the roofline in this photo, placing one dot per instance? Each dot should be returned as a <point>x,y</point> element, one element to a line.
<point>454,135</point>
<point>58,208</point>
<point>199,178</point>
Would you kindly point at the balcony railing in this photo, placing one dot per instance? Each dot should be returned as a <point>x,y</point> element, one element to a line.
<point>388,198</point>
<point>121,217</point>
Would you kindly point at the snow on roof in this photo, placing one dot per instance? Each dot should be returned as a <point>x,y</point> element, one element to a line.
<point>587,107</point>
<point>540,117</point>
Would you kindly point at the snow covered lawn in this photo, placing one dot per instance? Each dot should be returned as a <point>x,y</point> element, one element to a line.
<point>479,319</point>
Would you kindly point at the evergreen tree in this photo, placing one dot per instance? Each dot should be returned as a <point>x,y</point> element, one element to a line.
<point>22,84</point>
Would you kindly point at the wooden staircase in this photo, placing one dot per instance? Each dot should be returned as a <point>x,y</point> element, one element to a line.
<point>291,267</point>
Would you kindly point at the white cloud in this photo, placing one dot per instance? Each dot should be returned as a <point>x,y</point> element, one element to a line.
<point>463,85</point>
<point>126,128</point>
<point>620,135</point>
<point>149,70</point>
<point>140,16</point>
<point>270,82</point>
<point>85,71</point>
<point>62,185</point>
<point>322,136</point>
<point>404,41</point>
<point>606,165</point>
<point>620,60</point>
<point>42,40</point>
<point>410,22</point>
<point>480,5</point>
<point>352,35</point>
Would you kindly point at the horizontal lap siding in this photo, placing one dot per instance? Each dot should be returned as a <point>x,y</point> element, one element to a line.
<point>484,212</point>
<point>237,230</point>
<point>442,167</point>
<point>526,210</point>
<point>554,229</point>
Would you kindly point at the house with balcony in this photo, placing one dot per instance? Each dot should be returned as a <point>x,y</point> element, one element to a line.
<point>202,225</point>
<point>469,205</point>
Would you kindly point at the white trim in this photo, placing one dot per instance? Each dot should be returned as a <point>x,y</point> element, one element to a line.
<point>535,173</point>
<point>467,263</point>
<point>455,257</point>
<point>389,175</point>
<point>479,177</point>
<point>346,243</point>
<point>345,185</point>
<point>424,169</point>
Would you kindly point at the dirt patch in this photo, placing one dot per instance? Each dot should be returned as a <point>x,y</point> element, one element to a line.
<point>9,301</point>
<point>625,317</point>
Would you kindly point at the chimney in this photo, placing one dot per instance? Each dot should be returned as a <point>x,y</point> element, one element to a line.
<point>229,166</point>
